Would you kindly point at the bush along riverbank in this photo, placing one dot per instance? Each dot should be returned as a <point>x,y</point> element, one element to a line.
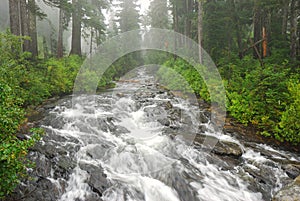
<point>25,83</point>
<point>266,97</point>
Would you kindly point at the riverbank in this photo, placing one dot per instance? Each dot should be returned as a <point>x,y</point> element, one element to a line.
<point>250,132</point>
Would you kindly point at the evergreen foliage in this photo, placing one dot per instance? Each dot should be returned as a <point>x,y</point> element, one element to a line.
<point>267,98</point>
<point>23,83</point>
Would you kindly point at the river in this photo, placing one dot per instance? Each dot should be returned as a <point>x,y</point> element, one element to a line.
<point>130,144</point>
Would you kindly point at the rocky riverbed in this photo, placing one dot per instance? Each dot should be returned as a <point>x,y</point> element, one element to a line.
<point>142,142</point>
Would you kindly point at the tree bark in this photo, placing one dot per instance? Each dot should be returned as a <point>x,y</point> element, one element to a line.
<point>14,14</point>
<point>175,26</point>
<point>238,32</point>
<point>97,35</point>
<point>298,51</point>
<point>293,30</point>
<point>60,52</point>
<point>200,36</point>
<point>32,28</point>
<point>188,21</point>
<point>91,41</point>
<point>45,48</point>
<point>257,29</point>
<point>266,34</point>
<point>24,23</point>
<point>285,13</point>
<point>76,29</point>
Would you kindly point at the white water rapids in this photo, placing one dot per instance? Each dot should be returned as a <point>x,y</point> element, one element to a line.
<point>129,133</point>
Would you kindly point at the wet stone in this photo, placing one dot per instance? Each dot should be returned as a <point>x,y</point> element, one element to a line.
<point>228,148</point>
<point>40,189</point>
<point>202,129</point>
<point>203,118</point>
<point>66,163</point>
<point>219,147</point>
<point>179,180</point>
<point>164,121</point>
<point>97,178</point>
<point>55,121</point>
<point>128,192</point>
<point>98,151</point>
<point>49,150</point>
<point>42,165</point>
<point>292,171</point>
<point>291,192</point>
<point>93,197</point>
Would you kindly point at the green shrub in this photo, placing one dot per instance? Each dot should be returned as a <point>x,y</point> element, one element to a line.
<point>25,82</point>
<point>60,74</point>
<point>179,75</point>
<point>267,97</point>
<point>13,151</point>
<point>289,125</point>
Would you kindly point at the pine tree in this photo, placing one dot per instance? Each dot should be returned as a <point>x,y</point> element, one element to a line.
<point>23,16</point>
<point>158,14</point>
<point>129,17</point>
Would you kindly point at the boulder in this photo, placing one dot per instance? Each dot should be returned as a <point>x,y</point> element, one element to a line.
<point>49,149</point>
<point>203,118</point>
<point>120,95</point>
<point>202,129</point>
<point>228,148</point>
<point>291,192</point>
<point>66,163</point>
<point>97,179</point>
<point>219,147</point>
<point>292,171</point>
<point>93,197</point>
<point>39,188</point>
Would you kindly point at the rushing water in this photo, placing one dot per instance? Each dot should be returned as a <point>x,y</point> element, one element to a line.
<point>133,134</point>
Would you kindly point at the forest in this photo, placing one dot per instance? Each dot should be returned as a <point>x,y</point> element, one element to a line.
<point>255,45</point>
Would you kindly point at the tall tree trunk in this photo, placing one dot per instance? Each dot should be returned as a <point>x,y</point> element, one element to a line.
<point>200,36</point>
<point>266,34</point>
<point>293,31</point>
<point>238,32</point>
<point>298,51</point>
<point>175,27</point>
<point>60,52</point>
<point>97,36</point>
<point>53,43</point>
<point>32,28</point>
<point>76,29</point>
<point>285,13</point>
<point>186,16</point>
<point>45,48</point>
<point>91,41</point>
<point>25,24</point>
<point>14,14</point>
<point>257,29</point>
<point>188,21</point>
<point>189,25</point>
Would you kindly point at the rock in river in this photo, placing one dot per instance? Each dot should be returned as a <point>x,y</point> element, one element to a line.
<point>289,193</point>
<point>228,148</point>
<point>97,180</point>
<point>220,147</point>
<point>292,170</point>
